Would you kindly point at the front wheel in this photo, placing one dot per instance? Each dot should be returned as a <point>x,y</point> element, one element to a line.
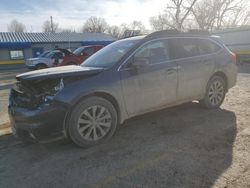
<point>41,66</point>
<point>92,121</point>
<point>215,93</point>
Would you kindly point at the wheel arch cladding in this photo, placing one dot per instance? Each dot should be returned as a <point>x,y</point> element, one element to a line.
<point>42,64</point>
<point>223,75</point>
<point>103,95</point>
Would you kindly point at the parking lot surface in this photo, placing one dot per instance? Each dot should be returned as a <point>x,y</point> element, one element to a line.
<point>7,78</point>
<point>184,146</point>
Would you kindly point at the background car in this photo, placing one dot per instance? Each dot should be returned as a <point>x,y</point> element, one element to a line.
<point>85,52</point>
<point>48,59</point>
<point>79,55</point>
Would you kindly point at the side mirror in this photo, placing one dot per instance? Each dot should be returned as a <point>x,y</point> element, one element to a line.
<point>140,62</point>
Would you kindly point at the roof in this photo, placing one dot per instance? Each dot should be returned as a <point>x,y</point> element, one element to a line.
<point>9,37</point>
<point>174,33</point>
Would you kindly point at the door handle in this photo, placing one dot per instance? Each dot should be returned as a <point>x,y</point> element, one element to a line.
<point>206,61</point>
<point>172,70</point>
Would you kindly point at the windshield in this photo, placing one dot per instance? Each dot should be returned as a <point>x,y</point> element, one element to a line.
<point>43,54</point>
<point>78,51</point>
<point>50,54</point>
<point>111,54</point>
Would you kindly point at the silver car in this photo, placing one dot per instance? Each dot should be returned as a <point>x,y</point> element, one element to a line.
<point>45,60</point>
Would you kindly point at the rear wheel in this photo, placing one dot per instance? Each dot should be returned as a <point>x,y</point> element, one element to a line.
<point>92,121</point>
<point>215,92</point>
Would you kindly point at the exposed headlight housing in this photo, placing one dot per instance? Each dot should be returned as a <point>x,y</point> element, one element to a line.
<point>49,98</point>
<point>60,86</point>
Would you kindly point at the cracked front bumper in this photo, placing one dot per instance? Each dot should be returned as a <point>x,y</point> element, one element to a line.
<point>43,123</point>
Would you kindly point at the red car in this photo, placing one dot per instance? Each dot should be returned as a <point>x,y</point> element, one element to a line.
<point>79,55</point>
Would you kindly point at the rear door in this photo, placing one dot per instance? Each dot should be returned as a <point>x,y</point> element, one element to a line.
<point>196,64</point>
<point>153,85</point>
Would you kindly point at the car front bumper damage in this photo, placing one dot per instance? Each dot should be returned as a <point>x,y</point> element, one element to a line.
<point>42,123</point>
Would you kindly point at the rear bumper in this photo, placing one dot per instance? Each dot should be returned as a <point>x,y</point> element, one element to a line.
<point>43,123</point>
<point>232,75</point>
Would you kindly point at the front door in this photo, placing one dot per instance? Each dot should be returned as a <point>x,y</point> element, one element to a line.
<point>152,84</point>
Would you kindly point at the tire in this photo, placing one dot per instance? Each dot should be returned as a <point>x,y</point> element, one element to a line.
<point>41,66</point>
<point>215,93</point>
<point>87,128</point>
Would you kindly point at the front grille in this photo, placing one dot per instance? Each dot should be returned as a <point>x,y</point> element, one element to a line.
<point>19,97</point>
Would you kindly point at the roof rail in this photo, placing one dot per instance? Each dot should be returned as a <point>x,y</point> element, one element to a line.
<point>176,32</point>
<point>163,32</point>
<point>198,31</point>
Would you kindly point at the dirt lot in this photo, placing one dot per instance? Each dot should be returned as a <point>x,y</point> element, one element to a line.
<point>185,146</point>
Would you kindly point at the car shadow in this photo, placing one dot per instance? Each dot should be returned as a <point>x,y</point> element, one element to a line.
<point>184,146</point>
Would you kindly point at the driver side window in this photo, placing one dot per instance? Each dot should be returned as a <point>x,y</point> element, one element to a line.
<point>154,52</point>
<point>57,55</point>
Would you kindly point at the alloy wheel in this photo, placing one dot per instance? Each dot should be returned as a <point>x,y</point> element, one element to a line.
<point>216,92</point>
<point>94,123</point>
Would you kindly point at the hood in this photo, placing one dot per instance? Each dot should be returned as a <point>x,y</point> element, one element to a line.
<point>36,58</point>
<point>33,59</point>
<point>59,72</point>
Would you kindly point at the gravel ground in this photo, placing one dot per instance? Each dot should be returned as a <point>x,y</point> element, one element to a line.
<point>185,146</point>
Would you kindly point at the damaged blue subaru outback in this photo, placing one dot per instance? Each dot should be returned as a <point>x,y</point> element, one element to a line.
<point>127,78</point>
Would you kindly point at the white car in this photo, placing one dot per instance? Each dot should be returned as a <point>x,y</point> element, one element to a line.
<point>45,60</point>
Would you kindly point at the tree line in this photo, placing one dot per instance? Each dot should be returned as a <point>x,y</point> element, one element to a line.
<point>181,15</point>
<point>91,25</point>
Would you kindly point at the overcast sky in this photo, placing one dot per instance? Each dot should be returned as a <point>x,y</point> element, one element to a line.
<point>73,13</point>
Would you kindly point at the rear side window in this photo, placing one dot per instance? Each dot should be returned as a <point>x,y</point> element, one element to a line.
<point>185,47</point>
<point>58,55</point>
<point>207,47</point>
<point>215,47</point>
<point>190,47</point>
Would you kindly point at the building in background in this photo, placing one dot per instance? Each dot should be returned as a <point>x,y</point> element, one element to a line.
<point>15,47</point>
<point>238,41</point>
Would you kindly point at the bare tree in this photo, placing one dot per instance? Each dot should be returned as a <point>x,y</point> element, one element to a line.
<point>217,14</point>
<point>137,25</point>
<point>159,22</point>
<point>175,15</point>
<point>114,31</point>
<point>50,27</point>
<point>204,14</point>
<point>67,30</point>
<point>241,17</point>
<point>16,26</point>
<point>95,25</point>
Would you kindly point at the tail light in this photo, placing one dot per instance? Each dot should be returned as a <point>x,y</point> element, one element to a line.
<point>233,57</point>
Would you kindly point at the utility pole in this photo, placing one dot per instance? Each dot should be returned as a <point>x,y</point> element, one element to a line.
<point>51,24</point>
